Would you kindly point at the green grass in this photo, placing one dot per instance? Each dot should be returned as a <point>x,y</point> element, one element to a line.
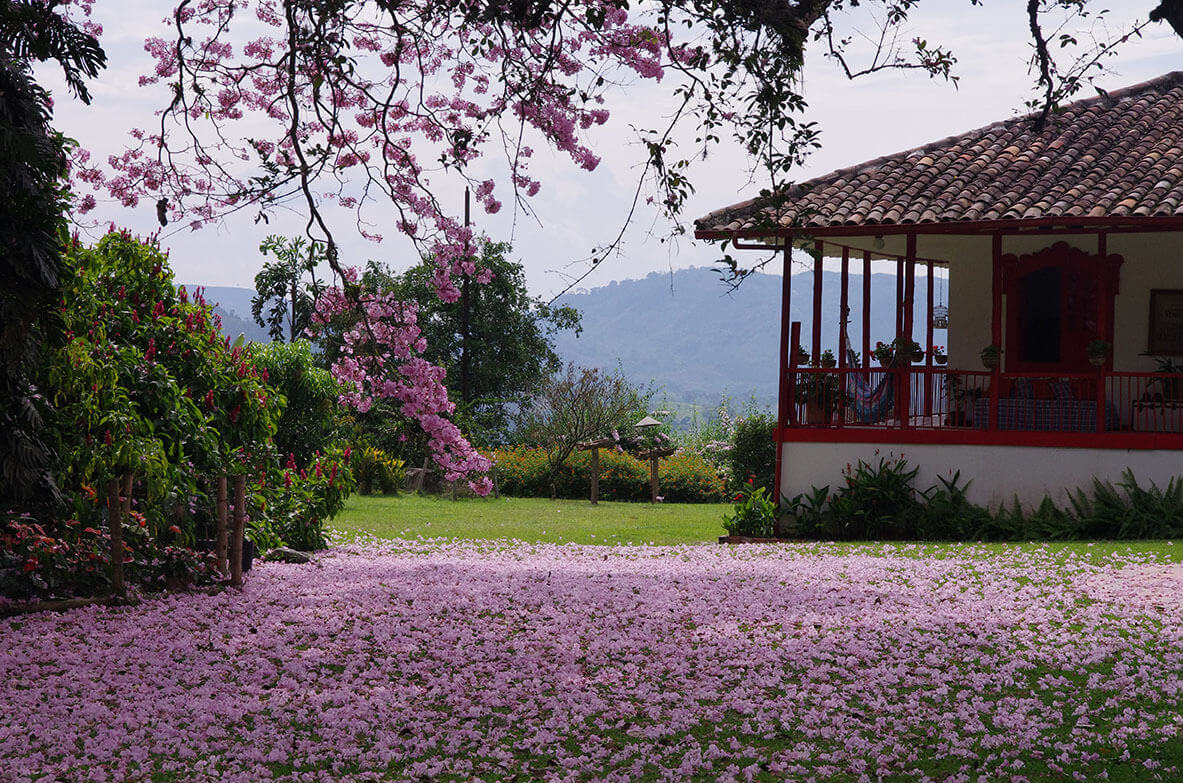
<point>531,519</point>
<point>539,520</point>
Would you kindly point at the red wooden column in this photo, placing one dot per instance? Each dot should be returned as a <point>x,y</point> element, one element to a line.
<point>904,396</point>
<point>816,348</point>
<point>928,377</point>
<point>844,310</point>
<point>866,309</point>
<point>899,296</point>
<point>996,326</point>
<point>1103,331</point>
<point>784,392</point>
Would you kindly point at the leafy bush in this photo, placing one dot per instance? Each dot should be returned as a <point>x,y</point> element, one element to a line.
<point>880,502</point>
<point>296,507</point>
<point>755,513</point>
<point>378,472</point>
<point>683,478</point>
<point>876,501</point>
<point>753,453</point>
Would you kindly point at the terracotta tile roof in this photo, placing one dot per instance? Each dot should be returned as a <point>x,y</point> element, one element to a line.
<point>1118,155</point>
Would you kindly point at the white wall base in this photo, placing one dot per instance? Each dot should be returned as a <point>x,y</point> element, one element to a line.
<point>997,473</point>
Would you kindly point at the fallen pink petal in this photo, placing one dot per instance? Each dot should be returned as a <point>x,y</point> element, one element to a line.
<point>468,660</point>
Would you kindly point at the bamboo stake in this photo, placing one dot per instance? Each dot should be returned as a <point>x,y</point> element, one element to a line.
<point>221,537</point>
<point>236,533</point>
<point>115,524</point>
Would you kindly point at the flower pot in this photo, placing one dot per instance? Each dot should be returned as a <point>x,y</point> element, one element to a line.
<point>1097,360</point>
<point>815,414</point>
<point>990,363</point>
<point>941,360</point>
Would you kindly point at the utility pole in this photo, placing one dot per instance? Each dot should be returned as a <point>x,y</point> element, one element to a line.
<point>466,317</point>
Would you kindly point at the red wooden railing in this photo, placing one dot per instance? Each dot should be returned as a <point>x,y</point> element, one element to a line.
<point>940,404</point>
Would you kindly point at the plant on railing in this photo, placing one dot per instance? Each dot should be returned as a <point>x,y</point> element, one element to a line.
<point>902,347</point>
<point>1171,388</point>
<point>938,354</point>
<point>991,356</point>
<point>822,394</point>
<point>1098,351</point>
<point>827,360</point>
<point>755,513</point>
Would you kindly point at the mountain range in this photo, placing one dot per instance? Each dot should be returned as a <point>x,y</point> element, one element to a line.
<point>684,334</point>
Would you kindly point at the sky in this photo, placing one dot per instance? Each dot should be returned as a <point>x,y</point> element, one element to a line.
<point>860,120</point>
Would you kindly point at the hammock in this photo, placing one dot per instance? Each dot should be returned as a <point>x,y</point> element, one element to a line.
<point>869,404</point>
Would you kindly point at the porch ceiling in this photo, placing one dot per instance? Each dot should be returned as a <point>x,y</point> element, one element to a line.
<point>1113,160</point>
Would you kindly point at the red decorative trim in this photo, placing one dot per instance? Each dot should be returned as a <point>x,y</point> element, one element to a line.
<point>1063,225</point>
<point>970,437</point>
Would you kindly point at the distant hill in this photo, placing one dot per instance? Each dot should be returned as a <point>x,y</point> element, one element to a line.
<point>684,333</point>
<point>234,306</point>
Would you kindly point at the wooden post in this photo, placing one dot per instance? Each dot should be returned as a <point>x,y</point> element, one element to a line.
<point>653,489</point>
<point>818,269</point>
<point>417,487</point>
<point>115,525</point>
<point>221,535</point>
<point>996,326</point>
<point>1103,330</point>
<point>595,476</point>
<point>867,310</point>
<point>653,455</point>
<point>594,447</point>
<point>237,532</point>
<point>782,397</point>
<point>928,358</point>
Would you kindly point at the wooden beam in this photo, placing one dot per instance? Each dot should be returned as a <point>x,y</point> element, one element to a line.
<point>996,325</point>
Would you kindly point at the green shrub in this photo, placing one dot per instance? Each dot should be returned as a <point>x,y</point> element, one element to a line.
<point>755,513</point>
<point>753,453</point>
<point>377,472</point>
<point>683,478</point>
<point>880,502</point>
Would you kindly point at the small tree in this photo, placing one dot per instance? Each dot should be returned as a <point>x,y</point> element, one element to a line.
<point>509,348</point>
<point>280,286</point>
<point>575,405</point>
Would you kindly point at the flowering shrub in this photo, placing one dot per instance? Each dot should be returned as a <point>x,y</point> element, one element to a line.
<point>683,477</point>
<point>755,513</point>
<point>296,503</point>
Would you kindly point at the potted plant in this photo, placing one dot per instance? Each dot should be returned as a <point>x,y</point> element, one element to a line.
<point>991,356</point>
<point>827,360</point>
<point>883,352</point>
<point>1098,352</point>
<point>822,395</point>
<point>938,355</point>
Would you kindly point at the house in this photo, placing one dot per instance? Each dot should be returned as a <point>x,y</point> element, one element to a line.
<point>1063,250</point>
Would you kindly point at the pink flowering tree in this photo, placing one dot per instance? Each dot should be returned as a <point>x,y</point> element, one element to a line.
<point>380,358</point>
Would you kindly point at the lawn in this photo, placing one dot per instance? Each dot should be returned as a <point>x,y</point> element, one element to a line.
<point>459,660</point>
<point>531,519</point>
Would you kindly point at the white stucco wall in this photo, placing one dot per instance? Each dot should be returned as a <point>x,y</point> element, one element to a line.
<point>998,473</point>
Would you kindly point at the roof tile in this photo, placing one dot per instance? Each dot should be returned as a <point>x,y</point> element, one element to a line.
<point>1116,155</point>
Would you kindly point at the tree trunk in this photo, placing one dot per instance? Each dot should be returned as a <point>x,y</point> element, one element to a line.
<point>595,476</point>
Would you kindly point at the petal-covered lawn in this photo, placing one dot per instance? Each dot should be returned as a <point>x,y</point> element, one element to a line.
<point>429,660</point>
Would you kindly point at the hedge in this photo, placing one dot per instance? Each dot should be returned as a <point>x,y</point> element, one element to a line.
<point>683,477</point>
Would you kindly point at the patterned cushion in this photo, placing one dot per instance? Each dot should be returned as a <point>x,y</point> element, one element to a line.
<point>1062,389</point>
<point>1022,389</point>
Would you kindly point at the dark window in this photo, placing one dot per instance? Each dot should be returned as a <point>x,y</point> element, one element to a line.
<point>1039,305</point>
